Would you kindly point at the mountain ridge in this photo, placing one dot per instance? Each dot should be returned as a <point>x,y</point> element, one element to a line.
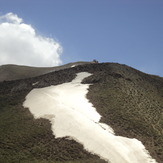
<point>14,72</point>
<point>117,92</point>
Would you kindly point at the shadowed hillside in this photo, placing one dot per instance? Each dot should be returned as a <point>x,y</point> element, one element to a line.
<point>130,101</point>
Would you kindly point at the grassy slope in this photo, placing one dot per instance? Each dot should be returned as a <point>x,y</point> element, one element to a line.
<point>15,72</point>
<point>26,140</point>
<point>130,101</point>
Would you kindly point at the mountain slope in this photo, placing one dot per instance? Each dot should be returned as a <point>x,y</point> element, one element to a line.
<point>14,72</point>
<point>130,101</point>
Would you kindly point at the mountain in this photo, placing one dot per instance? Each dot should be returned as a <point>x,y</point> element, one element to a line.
<point>129,101</point>
<point>15,72</point>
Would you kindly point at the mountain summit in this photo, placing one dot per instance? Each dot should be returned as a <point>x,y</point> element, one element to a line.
<point>45,119</point>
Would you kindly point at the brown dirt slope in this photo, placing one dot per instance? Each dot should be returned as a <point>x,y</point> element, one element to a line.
<point>130,101</point>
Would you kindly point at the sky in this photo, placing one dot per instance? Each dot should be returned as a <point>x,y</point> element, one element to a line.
<point>53,32</point>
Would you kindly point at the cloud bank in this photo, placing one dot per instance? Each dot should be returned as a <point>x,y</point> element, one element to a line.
<point>19,44</point>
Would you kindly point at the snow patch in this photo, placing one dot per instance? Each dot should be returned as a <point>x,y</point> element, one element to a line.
<point>73,116</point>
<point>35,83</point>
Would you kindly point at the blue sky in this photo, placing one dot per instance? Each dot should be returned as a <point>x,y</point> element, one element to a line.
<point>124,31</point>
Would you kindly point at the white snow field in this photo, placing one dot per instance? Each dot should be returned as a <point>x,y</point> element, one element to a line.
<point>73,65</point>
<point>72,115</point>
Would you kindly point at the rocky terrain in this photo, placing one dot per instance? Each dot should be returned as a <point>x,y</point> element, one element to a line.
<point>131,102</point>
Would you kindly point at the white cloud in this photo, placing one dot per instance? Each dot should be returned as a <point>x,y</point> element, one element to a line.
<point>19,44</point>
